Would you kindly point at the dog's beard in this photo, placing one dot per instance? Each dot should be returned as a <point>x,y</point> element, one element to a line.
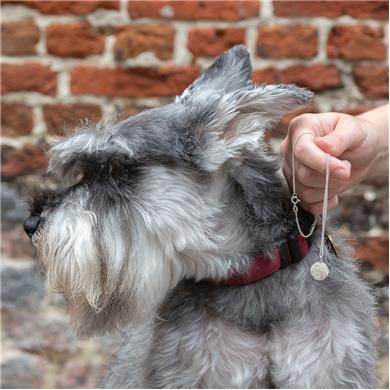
<point>109,272</point>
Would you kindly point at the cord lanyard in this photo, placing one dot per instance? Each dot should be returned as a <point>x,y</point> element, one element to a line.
<point>319,270</point>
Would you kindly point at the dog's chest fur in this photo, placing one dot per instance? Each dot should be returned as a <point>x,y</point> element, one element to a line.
<point>214,355</point>
<point>218,337</point>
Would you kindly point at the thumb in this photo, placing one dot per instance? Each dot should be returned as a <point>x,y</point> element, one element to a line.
<point>344,137</point>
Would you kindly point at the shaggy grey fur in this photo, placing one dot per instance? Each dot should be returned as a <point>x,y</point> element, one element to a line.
<point>159,204</point>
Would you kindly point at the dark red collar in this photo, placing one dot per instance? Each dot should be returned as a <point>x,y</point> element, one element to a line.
<point>290,251</point>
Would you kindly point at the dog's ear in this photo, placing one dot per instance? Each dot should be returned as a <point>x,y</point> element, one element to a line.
<point>229,72</point>
<point>229,113</point>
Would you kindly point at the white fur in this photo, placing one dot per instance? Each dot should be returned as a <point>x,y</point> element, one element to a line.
<point>218,355</point>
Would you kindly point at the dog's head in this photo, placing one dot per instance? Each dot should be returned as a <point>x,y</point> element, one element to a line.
<point>142,207</point>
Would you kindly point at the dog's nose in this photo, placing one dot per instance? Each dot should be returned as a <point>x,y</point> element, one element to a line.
<point>31,224</point>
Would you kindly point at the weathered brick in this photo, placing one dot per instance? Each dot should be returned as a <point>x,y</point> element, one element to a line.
<point>15,244</point>
<point>76,7</point>
<point>354,110</point>
<point>375,250</point>
<point>369,9</point>
<point>13,206</point>
<point>210,42</point>
<point>372,80</point>
<point>61,119</point>
<point>21,370</point>
<point>16,119</point>
<point>50,333</point>
<point>73,40</point>
<point>356,43</point>
<point>360,213</point>
<point>287,41</point>
<point>80,375</point>
<point>127,111</point>
<point>194,10</point>
<point>317,77</point>
<point>268,75</point>
<point>18,38</point>
<point>136,82</point>
<point>28,159</point>
<point>134,40</point>
<point>28,77</point>
<point>21,287</point>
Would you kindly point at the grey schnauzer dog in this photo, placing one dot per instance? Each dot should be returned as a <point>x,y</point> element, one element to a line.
<point>162,211</point>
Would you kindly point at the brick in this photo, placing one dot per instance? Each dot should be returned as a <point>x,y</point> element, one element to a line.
<point>135,82</point>
<point>16,119</point>
<point>358,9</point>
<point>354,110</point>
<point>21,287</point>
<point>73,40</point>
<point>373,81</point>
<point>76,7</point>
<point>16,162</point>
<point>360,213</point>
<point>15,244</point>
<point>50,333</point>
<point>134,40</point>
<point>127,111</point>
<point>19,38</point>
<point>61,119</point>
<point>268,75</point>
<point>194,10</point>
<point>210,42</point>
<point>317,77</point>
<point>32,77</point>
<point>356,43</point>
<point>287,41</point>
<point>23,371</point>
<point>13,206</point>
<point>77,374</point>
<point>375,250</point>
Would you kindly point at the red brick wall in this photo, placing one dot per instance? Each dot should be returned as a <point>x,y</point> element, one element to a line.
<point>75,59</point>
<point>65,61</point>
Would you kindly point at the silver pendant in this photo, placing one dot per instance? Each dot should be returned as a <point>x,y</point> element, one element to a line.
<point>319,270</point>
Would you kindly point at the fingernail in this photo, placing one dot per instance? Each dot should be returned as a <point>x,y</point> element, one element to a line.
<point>347,164</point>
<point>330,144</point>
<point>341,173</point>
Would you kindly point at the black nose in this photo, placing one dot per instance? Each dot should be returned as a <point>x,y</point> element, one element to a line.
<point>31,224</point>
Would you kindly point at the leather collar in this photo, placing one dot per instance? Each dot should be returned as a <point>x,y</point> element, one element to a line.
<point>290,251</point>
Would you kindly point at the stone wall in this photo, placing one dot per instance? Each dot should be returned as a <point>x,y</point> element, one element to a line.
<point>65,61</point>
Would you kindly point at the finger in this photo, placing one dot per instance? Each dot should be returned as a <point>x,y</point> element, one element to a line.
<point>310,178</point>
<point>342,138</point>
<point>284,147</point>
<point>313,195</point>
<point>288,175</point>
<point>285,151</point>
<point>316,208</point>
<point>309,154</point>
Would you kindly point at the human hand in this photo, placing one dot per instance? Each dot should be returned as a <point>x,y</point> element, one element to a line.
<point>352,143</point>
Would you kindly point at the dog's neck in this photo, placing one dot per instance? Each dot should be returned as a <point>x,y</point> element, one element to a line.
<point>261,200</point>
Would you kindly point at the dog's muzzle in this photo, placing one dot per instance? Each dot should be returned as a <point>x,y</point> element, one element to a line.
<point>31,224</point>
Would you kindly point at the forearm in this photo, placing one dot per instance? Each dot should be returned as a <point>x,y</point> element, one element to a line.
<point>380,119</point>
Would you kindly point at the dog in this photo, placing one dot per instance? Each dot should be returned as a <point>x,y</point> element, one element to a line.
<point>176,226</point>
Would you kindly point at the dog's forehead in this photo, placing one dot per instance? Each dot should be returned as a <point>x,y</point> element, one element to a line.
<point>157,135</point>
<point>156,130</point>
